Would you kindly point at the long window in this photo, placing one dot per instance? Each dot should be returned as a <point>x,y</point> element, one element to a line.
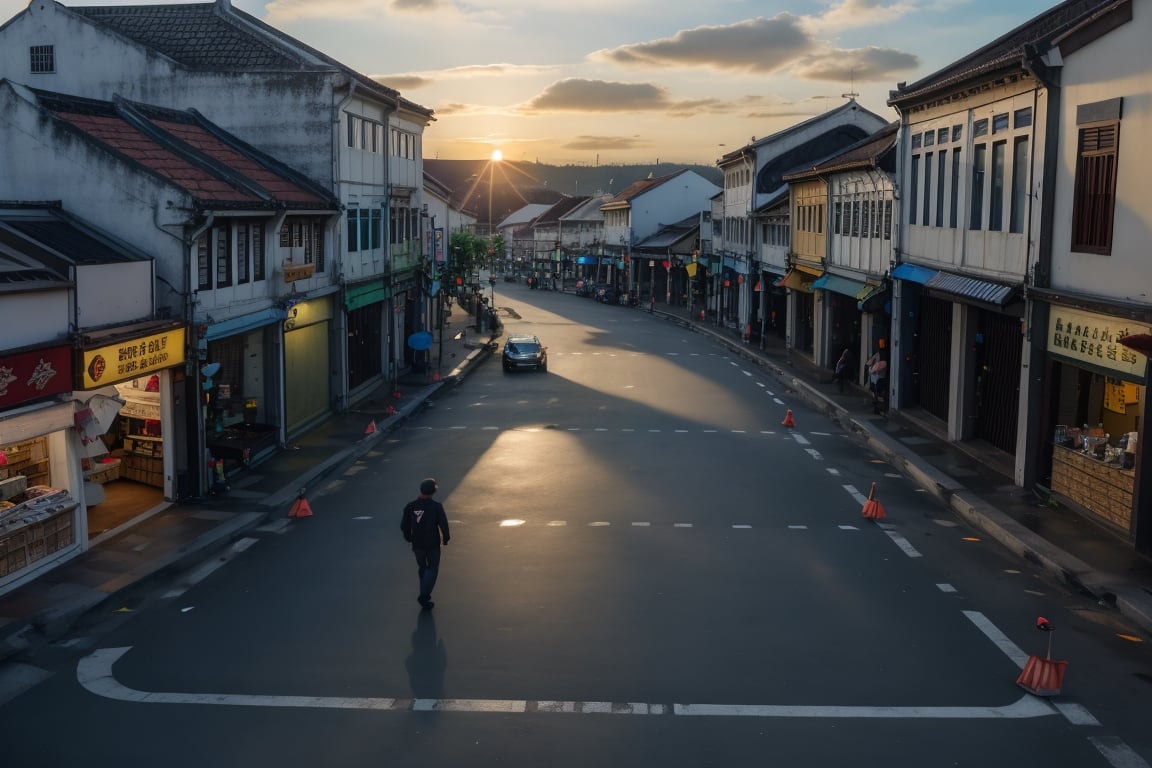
<point>979,160</point>
<point>1094,202</point>
<point>913,191</point>
<point>940,168</point>
<point>925,220</point>
<point>1019,184</point>
<point>954,201</point>
<point>996,199</point>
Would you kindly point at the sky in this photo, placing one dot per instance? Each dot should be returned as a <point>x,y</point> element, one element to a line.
<point>609,82</point>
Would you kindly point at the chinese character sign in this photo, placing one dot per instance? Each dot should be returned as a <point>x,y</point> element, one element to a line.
<point>34,375</point>
<point>133,358</point>
<point>1095,339</point>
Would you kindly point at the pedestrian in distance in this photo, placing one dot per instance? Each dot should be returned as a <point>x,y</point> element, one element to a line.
<point>843,368</point>
<point>878,381</point>
<point>425,526</point>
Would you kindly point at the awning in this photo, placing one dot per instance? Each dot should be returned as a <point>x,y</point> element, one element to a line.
<point>815,270</point>
<point>831,282</point>
<point>798,280</point>
<point>913,273</point>
<point>971,289</point>
<point>244,323</point>
<point>872,298</point>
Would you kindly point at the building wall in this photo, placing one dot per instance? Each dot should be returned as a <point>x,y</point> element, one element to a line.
<point>862,198</point>
<point>34,317</point>
<point>1114,66</point>
<point>113,293</point>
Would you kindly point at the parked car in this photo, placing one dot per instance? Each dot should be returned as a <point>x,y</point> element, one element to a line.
<point>524,351</point>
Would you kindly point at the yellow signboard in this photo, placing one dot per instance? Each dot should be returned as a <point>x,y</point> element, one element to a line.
<point>133,358</point>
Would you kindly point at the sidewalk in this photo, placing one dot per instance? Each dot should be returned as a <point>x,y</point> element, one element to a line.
<point>975,481</point>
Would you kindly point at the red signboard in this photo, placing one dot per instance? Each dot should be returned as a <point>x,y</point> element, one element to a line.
<point>34,375</point>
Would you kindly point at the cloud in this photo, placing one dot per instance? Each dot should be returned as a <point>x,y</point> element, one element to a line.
<point>415,5</point>
<point>580,95</point>
<point>604,143</point>
<point>402,82</point>
<point>855,65</point>
<point>754,45</point>
<point>861,13</point>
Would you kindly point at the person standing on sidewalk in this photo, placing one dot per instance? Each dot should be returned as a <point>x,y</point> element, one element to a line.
<point>843,368</point>
<point>425,526</point>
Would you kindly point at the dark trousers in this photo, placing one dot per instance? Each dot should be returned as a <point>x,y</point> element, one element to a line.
<point>428,565</point>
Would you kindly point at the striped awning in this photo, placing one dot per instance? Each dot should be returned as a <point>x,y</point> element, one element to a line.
<point>971,289</point>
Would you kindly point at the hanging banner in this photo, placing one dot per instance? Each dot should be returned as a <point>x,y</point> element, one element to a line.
<point>34,375</point>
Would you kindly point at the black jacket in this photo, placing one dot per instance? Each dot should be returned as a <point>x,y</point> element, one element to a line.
<point>424,523</point>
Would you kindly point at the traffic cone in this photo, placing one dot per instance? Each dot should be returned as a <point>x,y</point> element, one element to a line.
<point>788,420</point>
<point>300,507</point>
<point>1043,677</point>
<point>435,375</point>
<point>873,509</point>
<point>397,395</point>
<point>371,428</point>
<point>390,410</point>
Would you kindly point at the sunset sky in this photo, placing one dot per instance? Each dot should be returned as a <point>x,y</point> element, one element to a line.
<point>632,81</point>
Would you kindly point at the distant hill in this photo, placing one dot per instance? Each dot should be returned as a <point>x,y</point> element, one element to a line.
<point>516,184</point>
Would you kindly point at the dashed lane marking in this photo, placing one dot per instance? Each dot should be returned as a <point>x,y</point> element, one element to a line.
<point>94,673</point>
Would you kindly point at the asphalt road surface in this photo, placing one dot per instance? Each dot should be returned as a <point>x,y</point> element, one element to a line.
<point>646,569</point>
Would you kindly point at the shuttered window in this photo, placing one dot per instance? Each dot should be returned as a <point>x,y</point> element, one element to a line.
<point>1094,203</point>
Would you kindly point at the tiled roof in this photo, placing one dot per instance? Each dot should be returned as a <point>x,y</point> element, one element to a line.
<point>849,106</point>
<point>215,168</point>
<point>193,34</point>
<point>1007,50</point>
<point>561,207</point>
<point>218,37</point>
<point>637,188</point>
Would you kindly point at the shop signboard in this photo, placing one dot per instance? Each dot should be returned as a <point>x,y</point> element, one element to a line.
<point>34,375</point>
<point>132,358</point>
<point>1094,339</point>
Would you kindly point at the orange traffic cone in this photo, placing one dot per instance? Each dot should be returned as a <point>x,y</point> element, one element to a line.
<point>371,428</point>
<point>873,509</point>
<point>788,420</point>
<point>300,507</point>
<point>390,410</point>
<point>1043,677</point>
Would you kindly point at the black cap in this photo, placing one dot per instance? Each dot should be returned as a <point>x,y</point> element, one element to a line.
<point>428,486</point>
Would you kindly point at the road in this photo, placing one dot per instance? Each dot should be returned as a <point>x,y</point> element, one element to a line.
<point>646,569</point>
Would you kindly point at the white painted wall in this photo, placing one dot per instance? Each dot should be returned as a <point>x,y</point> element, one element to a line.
<point>120,292</point>
<point>1116,65</point>
<point>35,317</point>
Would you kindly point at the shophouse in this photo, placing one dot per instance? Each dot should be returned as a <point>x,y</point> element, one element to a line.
<point>857,188</point>
<point>664,260</point>
<point>547,232</point>
<point>1092,298</point>
<point>640,210</point>
<point>581,231</point>
<point>343,130</point>
<point>754,190</point>
<point>231,232</point>
<point>974,138</point>
<point>65,416</point>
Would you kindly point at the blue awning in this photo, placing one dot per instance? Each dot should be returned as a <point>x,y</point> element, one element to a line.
<point>831,282</point>
<point>972,289</point>
<point>913,273</point>
<point>244,323</point>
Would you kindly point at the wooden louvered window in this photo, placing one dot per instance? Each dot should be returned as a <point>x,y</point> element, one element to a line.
<point>1094,203</point>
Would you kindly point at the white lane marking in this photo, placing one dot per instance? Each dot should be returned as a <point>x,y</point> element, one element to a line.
<point>777,400</point>
<point>682,525</point>
<point>512,523</point>
<point>490,429</point>
<point>573,429</point>
<point>598,524</point>
<point>998,638</point>
<point>799,438</point>
<point>771,393</point>
<point>557,523</point>
<point>798,527</point>
<point>822,434</point>
<point>601,429</point>
<point>815,454</point>
<point>741,526</point>
<point>458,427</point>
<point>94,673</point>
<point>833,471</point>
<point>847,527</point>
<point>945,587</point>
<point>1116,752</point>
<point>1026,707</point>
<point>682,431</point>
<point>1077,714</point>
<point>738,432</point>
<point>627,429</point>
<point>905,545</point>
<point>363,517</point>
<point>761,384</point>
<point>641,525</point>
<point>746,373</point>
<point>710,431</point>
<point>855,494</point>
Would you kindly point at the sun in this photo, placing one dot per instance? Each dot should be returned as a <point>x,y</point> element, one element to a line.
<point>497,155</point>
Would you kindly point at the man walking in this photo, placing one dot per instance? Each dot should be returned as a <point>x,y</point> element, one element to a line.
<point>425,527</point>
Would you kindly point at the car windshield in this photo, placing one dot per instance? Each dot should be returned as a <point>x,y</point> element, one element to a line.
<point>523,347</point>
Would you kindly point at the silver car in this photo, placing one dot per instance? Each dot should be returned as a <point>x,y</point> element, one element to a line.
<point>525,351</point>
